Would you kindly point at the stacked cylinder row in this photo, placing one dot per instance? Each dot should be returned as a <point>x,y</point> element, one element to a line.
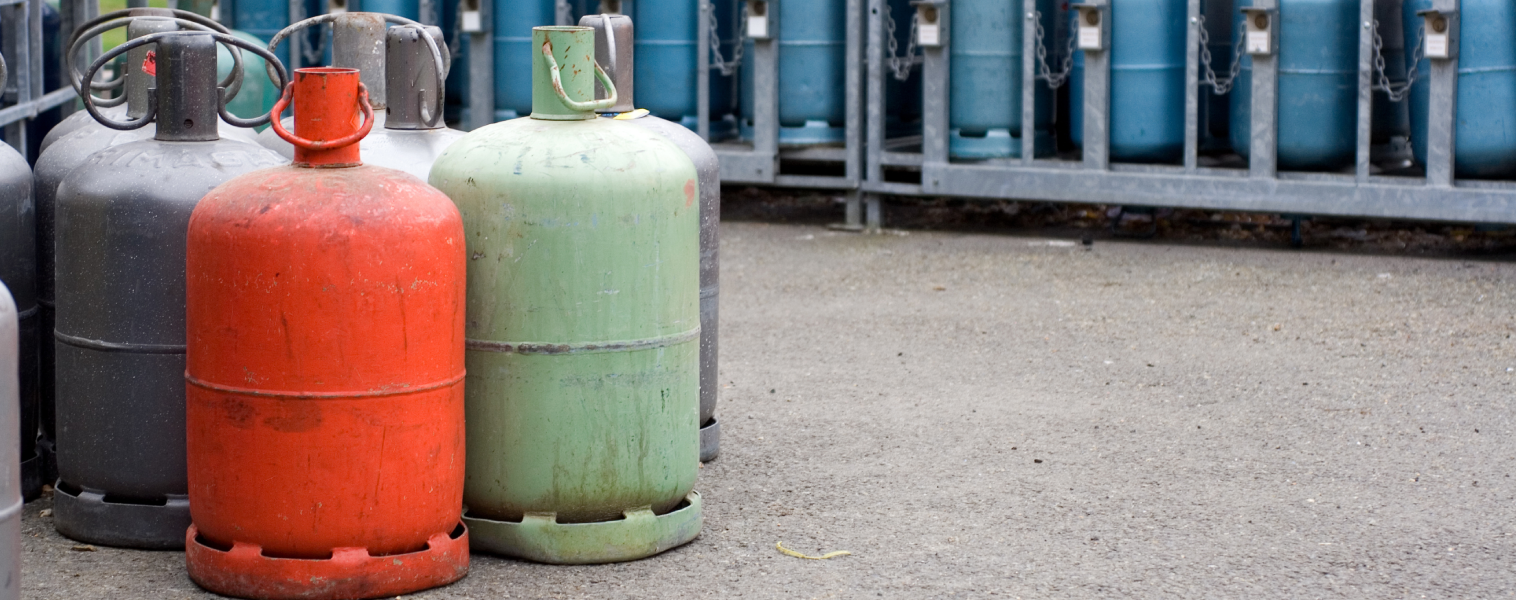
<point>328,358</point>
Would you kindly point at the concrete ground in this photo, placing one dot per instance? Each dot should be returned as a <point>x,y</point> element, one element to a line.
<point>991,415</point>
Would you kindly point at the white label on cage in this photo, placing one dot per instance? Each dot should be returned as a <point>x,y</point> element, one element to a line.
<point>1089,38</point>
<point>216,12</point>
<point>1437,45</point>
<point>758,27</point>
<point>929,35</point>
<point>1258,42</point>
<point>337,8</point>
<point>471,22</point>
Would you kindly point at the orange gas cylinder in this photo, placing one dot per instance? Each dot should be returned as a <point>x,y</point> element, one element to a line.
<point>325,369</point>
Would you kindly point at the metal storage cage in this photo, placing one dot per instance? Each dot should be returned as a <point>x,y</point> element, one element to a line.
<point>1439,195</point>
<point>23,44</point>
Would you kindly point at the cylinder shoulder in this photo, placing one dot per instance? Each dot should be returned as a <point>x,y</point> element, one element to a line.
<point>561,153</point>
<point>185,170</point>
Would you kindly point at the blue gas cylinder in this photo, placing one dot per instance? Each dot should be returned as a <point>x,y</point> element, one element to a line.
<point>1147,51</point>
<point>1318,86</point>
<point>513,53</point>
<point>264,19</point>
<point>812,37</point>
<point>410,9</point>
<point>985,70</point>
<point>1485,139</point>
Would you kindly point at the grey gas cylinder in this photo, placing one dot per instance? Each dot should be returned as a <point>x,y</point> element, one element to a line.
<point>121,231</point>
<point>70,151</point>
<point>613,50</point>
<point>18,272</point>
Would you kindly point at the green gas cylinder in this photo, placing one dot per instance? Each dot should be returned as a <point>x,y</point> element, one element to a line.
<point>583,323</point>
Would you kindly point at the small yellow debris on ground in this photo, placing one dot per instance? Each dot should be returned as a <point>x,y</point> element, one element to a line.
<point>789,552</point>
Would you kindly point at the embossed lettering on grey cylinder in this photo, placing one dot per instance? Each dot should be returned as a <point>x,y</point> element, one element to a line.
<point>122,224</point>
<point>613,43</point>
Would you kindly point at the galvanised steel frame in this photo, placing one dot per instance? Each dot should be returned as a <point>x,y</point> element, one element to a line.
<point>21,28</point>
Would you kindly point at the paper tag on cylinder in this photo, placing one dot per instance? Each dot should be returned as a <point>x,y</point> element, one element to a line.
<point>758,27</point>
<point>1258,42</point>
<point>1089,38</point>
<point>1437,45</point>
<point>929,35</point>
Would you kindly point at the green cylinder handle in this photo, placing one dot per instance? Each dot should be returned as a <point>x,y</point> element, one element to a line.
<point>585,106</point>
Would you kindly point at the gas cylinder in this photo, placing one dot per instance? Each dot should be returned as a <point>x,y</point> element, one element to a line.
<point>812,38</point>
<point>986,79</point>
<point>10,492</point>
<point>584,323</point>
<point>1147,57</point>
<point>115,108</point>
<point>264,18</point>
<point>121,223</point>
<point>413,135</point>
<point>1485,138</point>
<point>18,272</point>
<point>612,34</point>
<point>358,42</point>
<point>70,151</point>
<point>410,9</point>
<point>513,66</point>
<point>1318,86</point>
<point>325,371</point>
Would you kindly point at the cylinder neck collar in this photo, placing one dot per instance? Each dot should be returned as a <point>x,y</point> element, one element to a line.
<point>326,110</point>
<point>186,89</point>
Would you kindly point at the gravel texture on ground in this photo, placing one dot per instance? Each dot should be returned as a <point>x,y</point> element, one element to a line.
<point>1010,413</point>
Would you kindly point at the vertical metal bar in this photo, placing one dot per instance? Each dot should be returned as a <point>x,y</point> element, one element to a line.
<point>766,91</point>
<point>1365,87</point>
<point>1192,88</point>
<point>1442,107</point>
<point>1263,154</point>
<point>1028,81</point>
<point>874,138</point>
<point>428,12</point>
<point>936,77</point>
<point>853,95</point>
<point>703,69</point>
<point>12,30</point>
<point>481,69</point>
<point>297,13</point>
<point>1097,98</point>
<point>853,213</point>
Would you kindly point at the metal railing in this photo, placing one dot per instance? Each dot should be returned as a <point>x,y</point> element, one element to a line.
<point>23,97</point>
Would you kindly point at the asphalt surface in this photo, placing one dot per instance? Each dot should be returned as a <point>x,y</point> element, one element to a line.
<point>990,415</point>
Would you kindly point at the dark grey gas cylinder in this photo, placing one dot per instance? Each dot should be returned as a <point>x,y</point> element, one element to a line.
<point>613,51</point>
<point>66,154</point>
<point>122,223</point>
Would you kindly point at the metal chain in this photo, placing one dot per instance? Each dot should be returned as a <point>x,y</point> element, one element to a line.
<point>1221,86</point>
<point>1055,80</point>
<point>901,64</point>
<point>1397,92</point>
<point>719,62</point>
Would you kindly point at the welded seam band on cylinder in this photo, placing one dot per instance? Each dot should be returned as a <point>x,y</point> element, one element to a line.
<point>622,346</point>
<point>401,391</point>
<point>28,313</point>
<point>104,346</point>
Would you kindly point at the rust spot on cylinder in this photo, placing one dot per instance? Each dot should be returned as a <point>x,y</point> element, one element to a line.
<point>689,193</point>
